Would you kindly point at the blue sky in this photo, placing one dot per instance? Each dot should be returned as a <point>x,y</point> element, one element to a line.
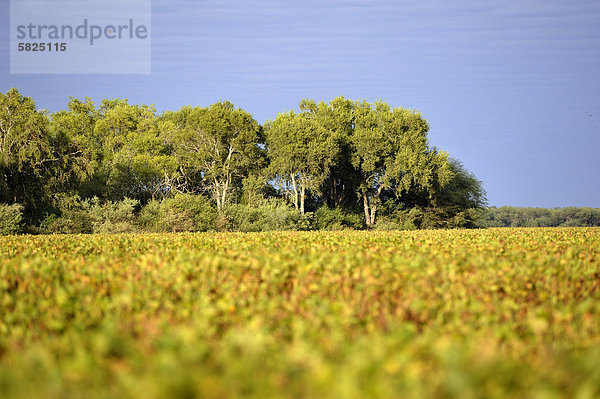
<point>511,88</point>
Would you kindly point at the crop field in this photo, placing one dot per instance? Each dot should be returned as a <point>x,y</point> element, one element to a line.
<point>490,313</point>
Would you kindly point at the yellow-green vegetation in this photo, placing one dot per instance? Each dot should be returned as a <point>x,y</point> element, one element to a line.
<point>353,314</point>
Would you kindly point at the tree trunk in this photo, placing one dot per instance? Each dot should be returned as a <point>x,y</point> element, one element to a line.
<point>374,203</point>
<point>373,210</point>
<point>224,194</point>
<point>302,196</point>
<point>370,205</point>
<point>366,206</point>
<point>218,195</point>
<point>295,196</point>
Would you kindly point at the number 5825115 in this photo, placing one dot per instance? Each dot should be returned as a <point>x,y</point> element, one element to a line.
<point>42,46</point>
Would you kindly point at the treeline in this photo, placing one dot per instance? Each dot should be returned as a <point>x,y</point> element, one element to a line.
<point>118,167</point>
<point>508,216</point>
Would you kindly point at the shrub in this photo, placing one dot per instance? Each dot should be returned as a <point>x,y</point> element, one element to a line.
<point>182,212</point>
<point>271,214</point>
<point>467,219</point>
<point>79,216</point>
<point>113,217</point>
<point>410,219</point>
<point>72,222</point>
<point>11,217</point>
<point>431,218</point>
<point>337,219</point>
<point>73,217</point>
<point>386,223</point>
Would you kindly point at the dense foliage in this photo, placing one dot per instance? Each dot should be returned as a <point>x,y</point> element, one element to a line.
<point>10,218</point>
<point>508,216</point>
<point>492,313</point>
<point>120,167</point>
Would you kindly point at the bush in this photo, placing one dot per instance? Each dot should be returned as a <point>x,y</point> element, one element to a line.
<point>70,223</point>
<point>79,216</point>
<point>11,217</point>
<point>387,223</point>
<point>73,217</point>
<point>182,212</point>
<point>272,214</point>
<point>467,219</point>
<point>337,219</point>
<point>430,218</point>
<point>411,219</point>
<point>407,219</point>
<point>113,217</point>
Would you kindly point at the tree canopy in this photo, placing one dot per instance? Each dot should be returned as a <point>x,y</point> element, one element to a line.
<point>351,157</point>
<point>219,144</point>
<point>301,151</point>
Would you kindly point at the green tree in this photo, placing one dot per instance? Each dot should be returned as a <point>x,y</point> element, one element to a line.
<point>391,151</point>
<point>301,151</point>
<point>26,153</point>
<point>219,144</point>
<point>337,118</point>
<point>463,191</point>
<point>78,148</point>
<point>459,203</point>
<point>135,157</point>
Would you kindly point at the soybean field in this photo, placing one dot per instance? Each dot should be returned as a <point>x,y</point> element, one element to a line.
<point>491,313</point>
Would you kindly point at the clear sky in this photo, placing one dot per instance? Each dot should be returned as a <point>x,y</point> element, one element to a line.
<point>511,88</point>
